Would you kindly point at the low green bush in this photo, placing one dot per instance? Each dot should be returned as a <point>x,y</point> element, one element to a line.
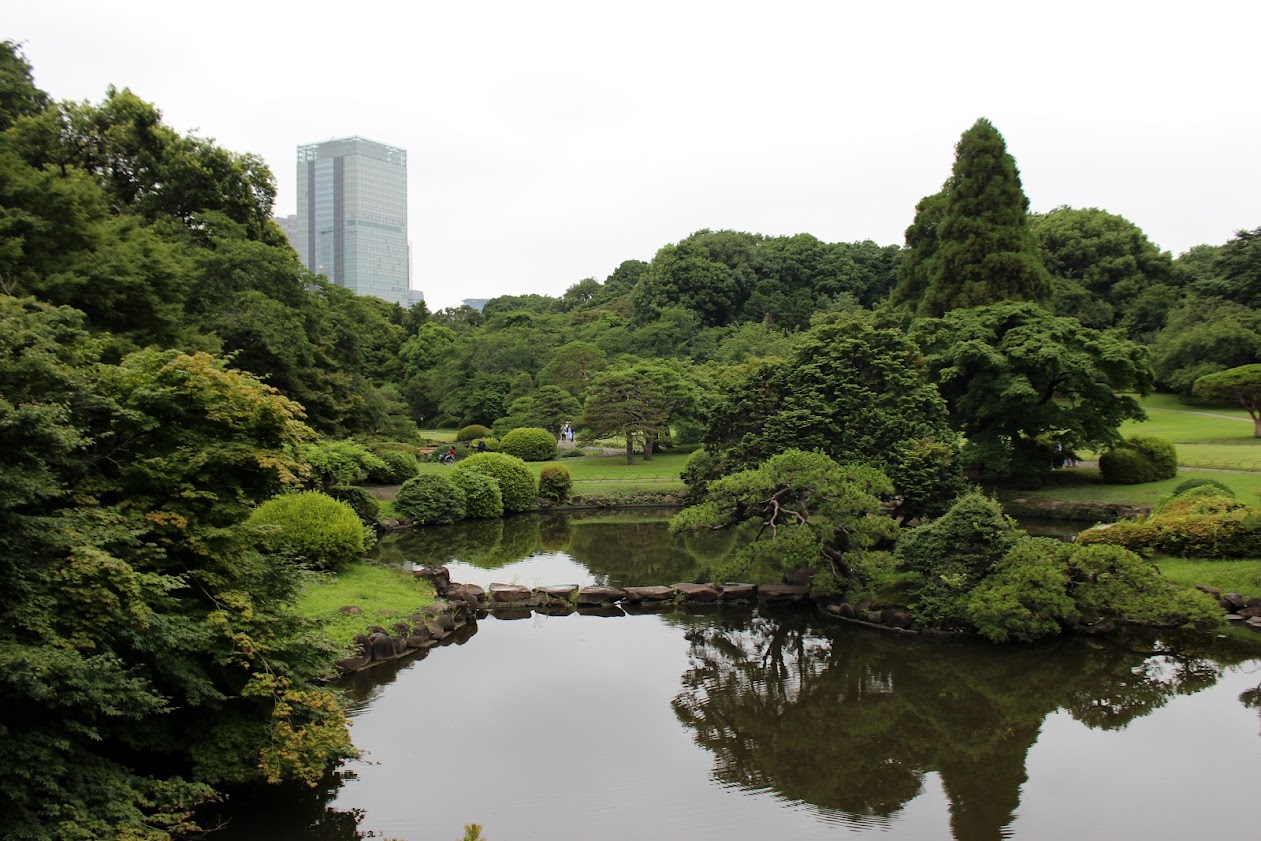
<point>529,443</point>
<point>572,452</point>
<point>365,505</point>
<point>1141,458</point>
<point>1042,585</point>
<point>1192,484</point>
<point>399,466</point>
<point>340,462</point>
<point>472,432</point>
<point>314,528</point>
<point>482,498</point>
<point>1026,597</point>
<point>1202,523</point>
<point>430,499</point>
<point>555,483</point>
<point>516,482</point>
<point>951,555</point>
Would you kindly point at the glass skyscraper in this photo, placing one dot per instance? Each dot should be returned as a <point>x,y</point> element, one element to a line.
<point>352,215</point>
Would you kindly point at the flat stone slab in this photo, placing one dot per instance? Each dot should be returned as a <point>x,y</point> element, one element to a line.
<point>783,593</point>
<point>696,592</point>
<point>599,595</point>
<point>657,593</point>
<point>738,592</point>
<point>565,591</point>
<point>503,593</point>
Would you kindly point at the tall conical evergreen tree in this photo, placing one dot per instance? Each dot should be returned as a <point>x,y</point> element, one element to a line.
<point>984,250</point>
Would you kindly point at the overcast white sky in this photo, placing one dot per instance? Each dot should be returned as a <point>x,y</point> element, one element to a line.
<point>550,141</point>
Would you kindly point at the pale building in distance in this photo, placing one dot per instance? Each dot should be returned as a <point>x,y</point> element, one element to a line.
<point>352,216</point>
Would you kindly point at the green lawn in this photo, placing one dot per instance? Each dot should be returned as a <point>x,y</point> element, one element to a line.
<point>1082,484</point>
<point>1218,441</point>
<point>1230,576</point>
<point>382,593</point>
<point>1210,437</point>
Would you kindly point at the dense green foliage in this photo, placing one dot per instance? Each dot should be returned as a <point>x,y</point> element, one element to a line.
<point>148,653</point>
<point>812,513</point>
<point>1105,271</point>
<point>1192,484</point>
<point>1042,585</point>
<point>397,467</point>
<point>1019,380</point>
<point>341,463</point>
<point>529,443</point>
<point>852,390</point>
<point>366,506</point>
<point>1140,458</point>
<point>482,498</point>
<point>974,570</point>
<point>1240,385</point>
<point>472,432</point>
<point>429,499</point>
<point>974,246</point>
<point>555,483</point>
<point>953,554</point>
<point>1204,336</point>
<point>516,482</point>
<point>1202,522</point>
<point>316,530</point>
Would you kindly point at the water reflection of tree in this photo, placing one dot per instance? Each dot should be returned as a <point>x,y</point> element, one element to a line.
<point>489,544</point>
<point>850,722</point>
<point>291,811</point>
<point>618,550</point>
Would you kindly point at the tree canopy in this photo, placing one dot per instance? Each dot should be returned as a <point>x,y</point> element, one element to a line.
<point>1240,385</point>
<point>1018,381</point>
<point>148,650</point>
<point>975,246</point>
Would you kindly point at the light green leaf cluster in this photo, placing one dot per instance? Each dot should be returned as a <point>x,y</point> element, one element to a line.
<point>316,530</point>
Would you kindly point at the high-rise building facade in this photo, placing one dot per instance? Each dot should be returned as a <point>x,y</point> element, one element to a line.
<point>352,215</point>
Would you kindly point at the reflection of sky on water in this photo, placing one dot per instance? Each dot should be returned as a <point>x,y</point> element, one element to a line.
<point>538,570</point>
<point>1187,771</point>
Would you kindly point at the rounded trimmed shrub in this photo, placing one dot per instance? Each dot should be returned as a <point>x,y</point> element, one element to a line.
<point>1124,466</point>
<point>364,504</point>
<point>516,482</point>
<point>321,531</point>
<point>399,467</point>
<point>472,432</point>
<point>1141,458</point>
<point>1192,484</point>
<point>555,483</point>
<point>482,498</point>
<point>430,500</point>
<point>529,443</point>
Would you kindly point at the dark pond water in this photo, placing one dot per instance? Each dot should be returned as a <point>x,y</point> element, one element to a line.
<point>737,723</point>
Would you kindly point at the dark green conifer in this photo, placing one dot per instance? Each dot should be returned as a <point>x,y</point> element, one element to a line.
<point>984,251</point>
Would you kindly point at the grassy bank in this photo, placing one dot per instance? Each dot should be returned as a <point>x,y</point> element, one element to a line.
<point>1229,576</point>
<point>382,593</point>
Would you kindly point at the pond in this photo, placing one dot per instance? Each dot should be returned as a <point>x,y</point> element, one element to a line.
<point>732,723</point>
